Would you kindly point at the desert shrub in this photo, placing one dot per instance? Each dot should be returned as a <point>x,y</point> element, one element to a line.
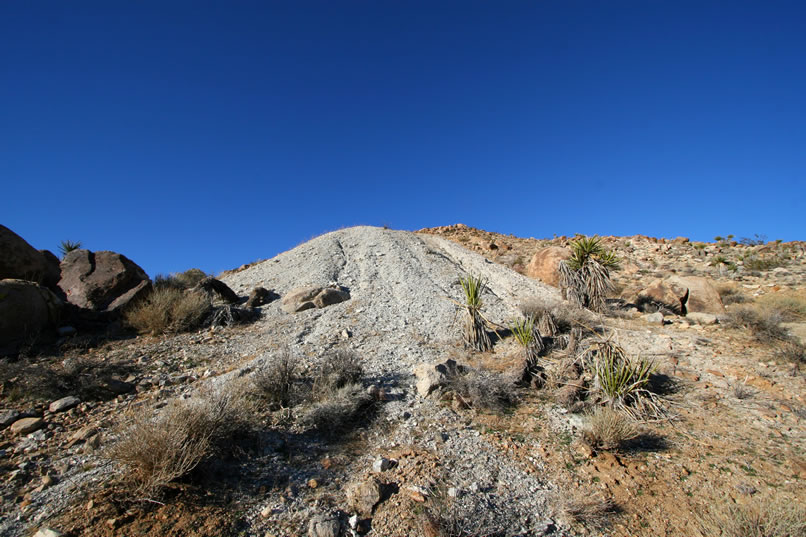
<point>168,309</point>
<point>154,451</point>
<point>528,337</point>
<point>275,381</point>
<point>620,381</point>
<point>339,410</point>
<point>475,328</point>
<point>731,295</point>
<point>763,324</point>
<point>482,390</point>
<point>337,369</point>
<point>469,517</point>
<point>588,508</point>
<point>180,280</point>
<point>790,351</point>
<point>585,277</point>
<point>775,517</point>
<point>791,307</point>
<point>610,429</point>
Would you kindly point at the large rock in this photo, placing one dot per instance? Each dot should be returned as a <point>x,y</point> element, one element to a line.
<point>101,281</point>
<point>20,260</point>
<point>27,425</point>
<point>305,298</point>
<point>324,526</point>
<point>362,497</point>
<point>432,376</point>
<point>680,294</point>
<point>26,310</point>
<point>544,265</point>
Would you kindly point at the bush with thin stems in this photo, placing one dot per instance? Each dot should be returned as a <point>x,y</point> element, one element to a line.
<point>169,310</point>
<point>585,276</point>
<point>527,335</point>
<point>475,328</point>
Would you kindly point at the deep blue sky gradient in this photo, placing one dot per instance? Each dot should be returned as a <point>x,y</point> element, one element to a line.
<point>211,134</point>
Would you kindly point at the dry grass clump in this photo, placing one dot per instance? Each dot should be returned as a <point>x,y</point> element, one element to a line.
<point>156,451</point>
<point>610,429</point>
<point>482,390</point>
<point>275,381</point>
<point>777,517</point>
<point>790,351</point>
<point>731,295</point>
<point>763,324</point>
<point>169,310</point>
<point>590,509</point>
<point>338,369</point>
<point>339,410</point>
<point>447,517</point>
<point>180,280</point>
<point>791,306</point>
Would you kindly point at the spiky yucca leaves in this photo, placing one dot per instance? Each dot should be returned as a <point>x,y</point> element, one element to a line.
<point>65,247</point>
<point>475,332</point>
<point>528,336</point>
<point>585,276</point>
<point>622,382</point>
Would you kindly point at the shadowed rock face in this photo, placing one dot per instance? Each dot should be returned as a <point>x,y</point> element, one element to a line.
<point>96,280</point>
<point>22,261</point>
<point>26,309</point>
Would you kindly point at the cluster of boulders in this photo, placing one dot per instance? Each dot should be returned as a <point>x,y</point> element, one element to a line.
<point>40,295</point>
<point>692,296</point>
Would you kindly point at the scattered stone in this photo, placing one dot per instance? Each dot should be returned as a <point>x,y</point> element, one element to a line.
<point>432,376</point>
<point>260,296</point>
<point>212,286</point>
<point>417,493</point>
<point>305,298</point>
<point>118,387</point>
<point>364,496</point>
<point>27,425</point>
<point>7,417</point>
<point>324,526</point>
<point>382,464</point>
<point>702,318</point>
<point>47,532</point>
<point>454,492</point>
<point>82,435</point>
<point>65,403</point>
<point>313,483</point>
<point>653,318</point>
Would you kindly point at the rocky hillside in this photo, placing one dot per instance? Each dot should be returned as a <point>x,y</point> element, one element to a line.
<point>345,401</point>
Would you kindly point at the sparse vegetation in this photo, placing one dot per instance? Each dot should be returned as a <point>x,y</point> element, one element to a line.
<point>764,324</point>
<point>180,280</point>
<point>610,429</point>
<point>169,310</point>
<point>475,328</point>
<point>588,508</point>
<point>620,381</point>
<point>791,306</point>
<point>65,247</point>
<point>731,295</point>
<point>275,381</point>
<point>585,277</point>
<point>776,517</point>
<point>482,390</point>
<point>154,451</point>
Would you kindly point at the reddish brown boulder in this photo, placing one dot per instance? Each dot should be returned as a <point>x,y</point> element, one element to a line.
<point>98,280</point>
<point>544,264</point>
<point>20,260</point>
<point>680,294</point>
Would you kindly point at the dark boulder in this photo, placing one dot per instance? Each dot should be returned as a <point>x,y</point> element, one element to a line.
<point>101,281</point>
<point>27,309</point>
<point>19,260</point>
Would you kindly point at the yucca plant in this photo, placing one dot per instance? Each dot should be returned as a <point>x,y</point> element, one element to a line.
<point>65,247</point>
<point>585,276</point>
<point>475,329</point>
<point>622,382</point>
<point>528,337</point>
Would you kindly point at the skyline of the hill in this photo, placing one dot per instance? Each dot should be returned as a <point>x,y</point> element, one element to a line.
<point>203,135</point>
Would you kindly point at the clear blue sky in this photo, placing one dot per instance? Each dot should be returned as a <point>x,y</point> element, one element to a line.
<point>211,134</point>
